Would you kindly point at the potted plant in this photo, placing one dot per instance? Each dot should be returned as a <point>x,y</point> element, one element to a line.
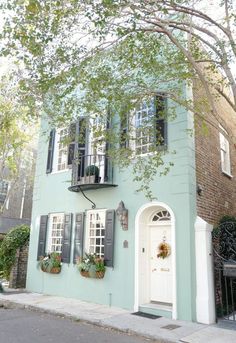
<point>91,265</point>
<point>51,263</point>
<point>92,174</point>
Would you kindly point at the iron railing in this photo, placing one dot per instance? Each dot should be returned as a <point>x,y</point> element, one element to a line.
<point>224,249</point>
<point>92,169</point>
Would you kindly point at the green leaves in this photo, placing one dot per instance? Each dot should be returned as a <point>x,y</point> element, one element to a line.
<point>16,238</point>
<point>85,57</point>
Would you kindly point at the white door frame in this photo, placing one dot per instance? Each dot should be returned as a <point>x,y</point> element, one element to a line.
<point>149,208</point>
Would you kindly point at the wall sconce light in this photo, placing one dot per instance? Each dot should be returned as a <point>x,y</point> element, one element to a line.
<point>122,214</point>
<point>199,190</point>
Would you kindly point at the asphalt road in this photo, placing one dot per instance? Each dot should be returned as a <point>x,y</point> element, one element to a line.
<point>24,326</point>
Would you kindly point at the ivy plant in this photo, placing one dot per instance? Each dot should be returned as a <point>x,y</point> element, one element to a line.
<point>16,238</point>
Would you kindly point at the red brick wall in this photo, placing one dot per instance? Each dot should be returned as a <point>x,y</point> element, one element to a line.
<point>218,195</point>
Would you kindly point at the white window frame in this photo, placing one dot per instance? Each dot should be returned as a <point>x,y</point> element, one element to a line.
<point>97,146</point>
<point>147,107</point>
<point>92,223</point>
<point>58,147</point>
<point>225,152</point>
<point>50,236</point>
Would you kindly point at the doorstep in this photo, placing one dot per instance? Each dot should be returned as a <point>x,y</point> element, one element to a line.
<point>161,309</point>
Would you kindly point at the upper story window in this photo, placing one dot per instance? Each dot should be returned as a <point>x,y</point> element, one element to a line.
<point>4,187</point>
<point>150,125</point>
<point>61,149</point>
<point>55,234</point>
<point>224,152</point>
<point>144,116</point>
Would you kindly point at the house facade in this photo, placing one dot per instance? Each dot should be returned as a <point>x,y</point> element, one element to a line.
<point>136,279</point>
<point>16,194</point>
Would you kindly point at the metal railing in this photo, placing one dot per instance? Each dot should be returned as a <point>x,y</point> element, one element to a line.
<point>90,169</point>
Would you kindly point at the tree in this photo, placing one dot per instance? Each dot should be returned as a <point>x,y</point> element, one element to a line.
<point>15,134</point>
<point>108,55</point>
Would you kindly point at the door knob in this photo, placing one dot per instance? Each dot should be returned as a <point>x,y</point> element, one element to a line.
<point>154,270</point>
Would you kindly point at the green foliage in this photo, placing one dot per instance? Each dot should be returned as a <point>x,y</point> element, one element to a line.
<point>52,260</point>
<point>92,170</point>
<point>14,239</point>
<point>90,262</point>
<point>138,49</point>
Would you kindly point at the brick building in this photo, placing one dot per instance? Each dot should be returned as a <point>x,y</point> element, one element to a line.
<point>16,195</point>
<point>215,153</point>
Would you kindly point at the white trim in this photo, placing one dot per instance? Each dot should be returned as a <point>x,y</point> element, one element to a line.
<point>55,169</point>
<point>173,249</point>
<point>49,233</point>
<point>87,228</point>
<point>225,154</point>
<point>205,302</point>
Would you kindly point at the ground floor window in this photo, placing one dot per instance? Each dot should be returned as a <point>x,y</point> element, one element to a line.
<point>55,235</point>
<point>95,232</point>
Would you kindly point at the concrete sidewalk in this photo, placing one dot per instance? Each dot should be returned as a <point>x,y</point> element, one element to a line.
<point>161,329</point>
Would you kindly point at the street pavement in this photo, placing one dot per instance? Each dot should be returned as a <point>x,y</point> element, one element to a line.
<point>25,326</point>
<point>162,329</point>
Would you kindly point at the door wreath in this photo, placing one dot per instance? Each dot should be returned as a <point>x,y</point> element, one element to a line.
<point>164,250</point>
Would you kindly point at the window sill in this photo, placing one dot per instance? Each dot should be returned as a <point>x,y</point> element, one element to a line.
<point>162,148</point>
<point>230,176</point>
<point>59,171</point>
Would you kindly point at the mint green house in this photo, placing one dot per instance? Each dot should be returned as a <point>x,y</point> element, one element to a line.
<point>131,242</point>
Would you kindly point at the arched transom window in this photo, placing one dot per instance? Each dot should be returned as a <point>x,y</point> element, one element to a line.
<point>161,216</point>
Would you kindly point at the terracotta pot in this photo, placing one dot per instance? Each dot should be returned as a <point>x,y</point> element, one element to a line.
<point>100,275</point>
<point>97,275</point>
<point>55,270</point>
<point>84,273</point>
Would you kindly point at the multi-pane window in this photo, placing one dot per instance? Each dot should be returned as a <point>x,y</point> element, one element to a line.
<point>150,125</point>
<point>144,115</point>
<point>225,153</point>
<point>96,232</point>
<point>3,191</point>
<point>56,232</point>
<point>62,149</point>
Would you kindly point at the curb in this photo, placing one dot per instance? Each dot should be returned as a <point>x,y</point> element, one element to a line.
<point>8,304</point>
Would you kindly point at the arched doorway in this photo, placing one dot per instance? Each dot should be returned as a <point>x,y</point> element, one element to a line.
<point>155,270</point>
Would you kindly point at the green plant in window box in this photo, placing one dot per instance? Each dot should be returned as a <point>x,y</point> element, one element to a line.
<point>91,265</point>
<point>51,263</point>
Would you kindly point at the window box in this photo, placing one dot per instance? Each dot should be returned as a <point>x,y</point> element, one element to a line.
<point>92,266</point>
<point>55,270</point>
<point>97,275</point>
<point>51,263</point>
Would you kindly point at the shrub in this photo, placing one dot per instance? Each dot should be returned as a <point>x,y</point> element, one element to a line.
<point>16,238</point>
<point>92,170</point>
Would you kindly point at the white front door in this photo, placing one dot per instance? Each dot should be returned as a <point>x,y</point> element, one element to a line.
<point>160,269</point>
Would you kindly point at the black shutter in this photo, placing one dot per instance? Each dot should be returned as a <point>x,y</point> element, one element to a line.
<point>109,238</point>
<point>71,146</point>
<point>161,123</point>
<point>42,236</point>
<point>82,133</point>
<point>79,236</point>
<point>66,243</point>
<point>106,162</point>
<point>50,151</point>
<point>124,129</point>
